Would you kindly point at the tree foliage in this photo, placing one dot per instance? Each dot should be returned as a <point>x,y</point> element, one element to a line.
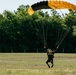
<point>20,32</point>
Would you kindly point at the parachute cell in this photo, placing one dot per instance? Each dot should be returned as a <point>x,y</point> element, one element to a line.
<point>61,5</point>
<point>37,6</point>
<point>30,11</point>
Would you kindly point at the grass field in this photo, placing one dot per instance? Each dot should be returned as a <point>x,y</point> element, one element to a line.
<point>34,64</point>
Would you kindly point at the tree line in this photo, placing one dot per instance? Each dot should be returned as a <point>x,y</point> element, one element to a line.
<point>20,32</point>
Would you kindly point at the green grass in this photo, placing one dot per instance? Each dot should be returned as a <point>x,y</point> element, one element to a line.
<point>34,64</point>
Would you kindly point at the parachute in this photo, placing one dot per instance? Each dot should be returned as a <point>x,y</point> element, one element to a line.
<point>51,4</point>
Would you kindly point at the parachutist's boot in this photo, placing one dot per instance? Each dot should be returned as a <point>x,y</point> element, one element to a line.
<point>48,65</point>
<point>52,65</point>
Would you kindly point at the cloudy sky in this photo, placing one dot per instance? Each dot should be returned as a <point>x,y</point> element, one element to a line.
<point>12,5</point>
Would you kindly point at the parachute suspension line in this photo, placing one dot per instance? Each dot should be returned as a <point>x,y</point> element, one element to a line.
<point>44,33</point>
<point>60,35</point>
<point>62,13</point>
<point>44,40</point>
<point>61,40</point>
<point>63,37</point>
<point>62,31</point>
<point>58,43</point>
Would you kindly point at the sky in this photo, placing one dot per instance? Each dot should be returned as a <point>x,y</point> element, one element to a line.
<point>12,5</point>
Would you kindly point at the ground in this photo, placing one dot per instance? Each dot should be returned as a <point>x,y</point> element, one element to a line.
<point>34,64</point>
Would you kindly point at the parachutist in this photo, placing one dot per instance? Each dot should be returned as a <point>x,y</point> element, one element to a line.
<point>50,54</point>
<point>52,5</point>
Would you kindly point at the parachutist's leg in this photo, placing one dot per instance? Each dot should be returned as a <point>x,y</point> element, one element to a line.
<point>47,63</point>
<point>52,63</point>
